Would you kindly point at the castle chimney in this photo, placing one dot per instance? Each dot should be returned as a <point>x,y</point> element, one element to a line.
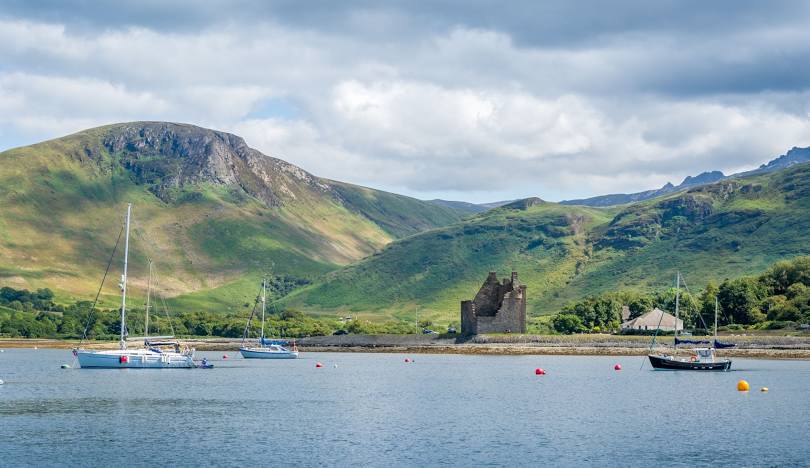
<point>514,277</point>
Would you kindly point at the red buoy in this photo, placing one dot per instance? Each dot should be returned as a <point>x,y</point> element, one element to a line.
<point>318,364</point>
<point>224,356</point>
<point>617,367</point>
<point>123,359</point>
<point>539,371</point>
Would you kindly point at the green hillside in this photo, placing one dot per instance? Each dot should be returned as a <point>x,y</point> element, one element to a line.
<point>211,212</point>
<point>546,242</point>
<point>726,229</point>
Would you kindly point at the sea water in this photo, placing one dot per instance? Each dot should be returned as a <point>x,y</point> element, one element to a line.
<point>377,410</point>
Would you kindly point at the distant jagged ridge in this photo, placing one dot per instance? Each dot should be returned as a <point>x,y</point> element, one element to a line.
<point>795,156</point>
<point>625,198</point>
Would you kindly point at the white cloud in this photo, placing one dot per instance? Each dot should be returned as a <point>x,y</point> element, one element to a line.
<point>455,109</point>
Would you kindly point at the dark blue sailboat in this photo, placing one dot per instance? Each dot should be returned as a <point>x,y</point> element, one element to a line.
<point>702,359</point>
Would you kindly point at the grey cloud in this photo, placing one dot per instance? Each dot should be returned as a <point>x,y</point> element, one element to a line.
<point>531,23</point>
<point>427,97</point>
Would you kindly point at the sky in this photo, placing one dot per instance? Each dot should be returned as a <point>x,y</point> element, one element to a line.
<point>475,100</point>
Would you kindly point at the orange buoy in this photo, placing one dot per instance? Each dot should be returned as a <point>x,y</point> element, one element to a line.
<point>617,367</point>
<point>743,386</point>
<point>318,364</point>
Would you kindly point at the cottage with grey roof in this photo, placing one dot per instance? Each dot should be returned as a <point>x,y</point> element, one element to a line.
<point>651,321</point>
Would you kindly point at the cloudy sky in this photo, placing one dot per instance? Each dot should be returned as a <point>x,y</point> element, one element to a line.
<point>471,100</point>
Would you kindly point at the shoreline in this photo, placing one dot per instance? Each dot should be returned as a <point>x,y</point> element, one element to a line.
<point>767,347</point>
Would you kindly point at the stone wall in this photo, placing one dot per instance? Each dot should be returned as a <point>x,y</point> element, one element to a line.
<point>496,308</point>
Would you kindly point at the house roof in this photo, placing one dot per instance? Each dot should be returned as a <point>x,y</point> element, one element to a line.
<point>652,319</point>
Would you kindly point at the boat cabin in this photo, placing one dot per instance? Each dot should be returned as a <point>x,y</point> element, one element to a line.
<point>704,355</point>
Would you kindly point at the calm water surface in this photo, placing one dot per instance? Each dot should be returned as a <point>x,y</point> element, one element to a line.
<point>376,410</point>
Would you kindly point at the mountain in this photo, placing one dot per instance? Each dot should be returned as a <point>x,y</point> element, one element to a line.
<point>466,207</point>
<point>791,158</point>
<point>794,156</point>
<point>565,252</point>
<point>702,178</point>
<point>625,198</point>
<point>462,206</point>
<point>436,269</point>
<point>496,204</point>
<point>213,213</point>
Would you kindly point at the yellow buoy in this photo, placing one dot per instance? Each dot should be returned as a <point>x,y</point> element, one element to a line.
<point>743,386</point>
<point>763,389</point>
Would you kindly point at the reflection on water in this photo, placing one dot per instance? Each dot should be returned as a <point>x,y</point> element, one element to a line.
<point>374,409</point>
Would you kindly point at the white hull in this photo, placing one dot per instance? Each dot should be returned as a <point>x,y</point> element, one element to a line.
<point>134,359</point>
<point>267,353</point>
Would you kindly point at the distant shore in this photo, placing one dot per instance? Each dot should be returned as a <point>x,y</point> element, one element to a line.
<point>761,347</point>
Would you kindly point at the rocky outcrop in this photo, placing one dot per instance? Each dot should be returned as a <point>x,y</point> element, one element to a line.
<point>167,156</point>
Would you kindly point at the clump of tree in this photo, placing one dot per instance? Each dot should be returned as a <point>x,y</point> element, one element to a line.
<point>778,298</point>
<point>23,299</point>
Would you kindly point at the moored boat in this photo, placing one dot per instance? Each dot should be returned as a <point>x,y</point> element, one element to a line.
<point>154,355</point>
<point>134,358</point>
<point>266,349</point>
<point>701,359</point>
<point>268,352</point>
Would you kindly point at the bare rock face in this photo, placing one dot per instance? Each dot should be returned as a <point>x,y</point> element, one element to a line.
<point>169,156</point>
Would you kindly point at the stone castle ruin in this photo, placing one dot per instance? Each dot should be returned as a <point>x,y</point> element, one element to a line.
<point>497,308</point>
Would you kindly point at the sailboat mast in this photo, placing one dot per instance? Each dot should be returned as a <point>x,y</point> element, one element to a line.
<point>264,300</point>
<point>148,297</point>
<point>715,320</point>
<point>123,344</point>
<point>677,304</point>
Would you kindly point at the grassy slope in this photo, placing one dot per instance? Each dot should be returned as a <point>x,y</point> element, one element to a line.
<point>60,214</point>
<point>747,230</point>
<point>722,230</point>
<point>545,243</point>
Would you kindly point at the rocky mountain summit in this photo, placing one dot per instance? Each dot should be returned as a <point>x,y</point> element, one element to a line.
<point>210,209</point>
<point>169,156</point>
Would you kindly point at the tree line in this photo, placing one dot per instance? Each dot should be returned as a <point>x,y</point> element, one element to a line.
<point>26,314</point>
<point>778,298</point>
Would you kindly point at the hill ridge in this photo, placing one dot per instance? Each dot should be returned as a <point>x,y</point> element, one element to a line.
<point>214,209</point>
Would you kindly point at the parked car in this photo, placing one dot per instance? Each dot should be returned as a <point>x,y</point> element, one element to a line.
<point>340,332</point>
<point>451,329</point>
<point>427,331</point>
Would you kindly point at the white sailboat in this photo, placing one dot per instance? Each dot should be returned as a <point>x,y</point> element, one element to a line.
<point>266,349</point>
<point>152,356</point>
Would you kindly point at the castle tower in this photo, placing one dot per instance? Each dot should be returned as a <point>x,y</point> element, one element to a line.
<point>498,307</point>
